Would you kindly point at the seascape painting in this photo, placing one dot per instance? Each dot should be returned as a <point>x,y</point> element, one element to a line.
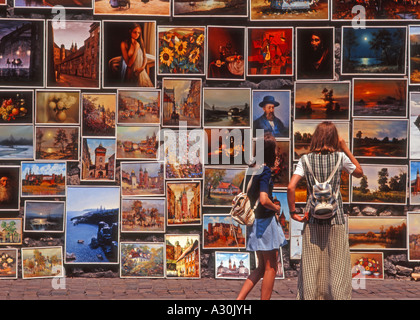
<point>142,260</point>
<point>44,216</point>
<point>16,142</point>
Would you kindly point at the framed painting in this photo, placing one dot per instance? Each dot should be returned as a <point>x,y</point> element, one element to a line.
<point>43,179</point>
<point>183,203</point>
<point>380,184</point>
<point>44,216</point>
<point>413,236</point>
<point>280,173</point>
<point>58,107</point>
<point>67,4</point>
<point>232,265</point>
<point>142,260</point>
<point>8,264</point>
<point>16,142</point>
<point>145,178</point>
<point>9,187</point>
<point>182,256</point>
<point>131,8</point>
<point>367,265</point>
<point>280,198</point>
<point>414,182</point>
<point>50,258</point>
<point>280,266</point>
<point>57,143</point>
<point>227,107</point>
<point>98,159</point>
<point>11,231</point>
<point>98,114</point>
<point>380,138</point>
<point>16,106</point>
<point>322,100</point>
<point>414,119</point>
<point>140,107</point>
<point>137,142</point>
<point>143,215</point>
<point>209,8</point>
<point>220,231</point>
<point>413,54</point>
<point>116,38</point>
<point>296,229</point>
<point>380,50</point>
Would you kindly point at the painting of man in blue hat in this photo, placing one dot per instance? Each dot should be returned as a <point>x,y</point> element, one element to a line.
<point>268,121</point>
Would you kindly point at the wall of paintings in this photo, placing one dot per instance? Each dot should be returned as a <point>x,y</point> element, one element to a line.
<point>126,127</point>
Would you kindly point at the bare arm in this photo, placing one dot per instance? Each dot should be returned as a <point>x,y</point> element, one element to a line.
<point>291,198</point>
<point>267,203</point>
<point>124,51</point>
<point>358,172</point>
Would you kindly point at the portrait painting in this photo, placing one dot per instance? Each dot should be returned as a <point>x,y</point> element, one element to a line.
<point>415,182</point>
<point>315,53</point>
<point>183,203</point>
<point>44,216</point>
<point>98,159</point>
<point>182,256</point>
<point>373,50</point>
<point>280,198</point>
<point>16,142</point>
<point>414,119</point>
<point>413,236</point>
<point>270,51</point>
<point>143,215</point>
<point>181,50</point>
<point>42,262</point>
<point>225,53</point>
<point>57,143</point>
<point>129,49</point>
<point>16,106</point>
<point>73,54</point>
<point>57,107</point>
<point>9,187</point>
<point>227,107</point>
<point>8,263</point>
<point>141,107</point>
<point>143,178</point>
<point>43,179</point>
<point>322,100</point>
<point>220,231</point>
<point>209,8</point>
<point>98,115</point>
<point>280,265</point>
<point>232,265</point>
<point>137,142</point>
<point>67,4</point>
<point>367,265</point>
<point>132,8</point>
<point>10,231</point>
<point>142,260</point>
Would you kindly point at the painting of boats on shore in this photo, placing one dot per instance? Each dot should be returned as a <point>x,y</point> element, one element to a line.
<point>42,262</point>
<point>8,263</point>
<point>413,236</point>
<point>137,143</point>
<point>92,224</point>
<point>182,256</point>
<point>142,178</point>
<point>16,142</point>
<point>143,215</point>
<point>57,143</point>
<point>377,233</point>
<point>44,216</point>
<point>232,265</point>
<point>220,231</point>
<point>43,179</point>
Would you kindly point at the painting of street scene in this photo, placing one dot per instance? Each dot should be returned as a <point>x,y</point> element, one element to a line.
<point>43,179</point>
<point>183,203</point>
<point>16,106</point>
<point>57,107</point>
<point>142,178</point>
<point>209,8</point>
<point>182,256</point>
<point>142,260</point>
<point>44,216</point>
<point>143,215</point>
<point>232,265</point>
<point>413,224</point>
<point>221,232</point>
<point>8,263</point>
<point>135,142</point>
<point>98,159</point>
<point>139,107</point>
<point>42,262</point>
<point>414,119</point>
<point>57,143</point>
<point>10,231</point>
<point>98,116</point>
<point>16,142</point>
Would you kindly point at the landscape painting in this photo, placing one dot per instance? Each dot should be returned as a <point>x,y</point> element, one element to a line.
<point>42,262</point>
<point>377,233</point>
<point>182,256</point>
<point>143,215</point>
<point>92,224</point>
<point>220,231</point>
<point>131,8</point>
<point>415,182</point>
<point>8,263</point>
<point>9,187</point>
<point>381,184</point>
<point>16,106</point>
<point>16,142</point>
<point>142,260</point>
<point>139,107</point>
<point>10,231</point>
<point>183,203</point>
<point>57,143</point>
<point>280,198</point>
<point>137,142</point>
<point>39,4</point>
<point>43,179</point>
<point>98,116</point>
<point>380,138</point>
<point>414,55</point>
<point>413,236</point>
<point>232,265</point>
<point>209,8</point>
<point>142,178</point>
<point>57,107</point>
<point>44,216</point>
<point>373,50</point>
<point>367,265</point>
<point>98,159</point>
<point>414,119</point>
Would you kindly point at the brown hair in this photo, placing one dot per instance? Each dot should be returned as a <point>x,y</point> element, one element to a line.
<point>325,138</point>
<point>270,149</point>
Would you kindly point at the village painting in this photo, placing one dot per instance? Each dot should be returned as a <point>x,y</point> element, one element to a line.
<point>142,178</point>
<point>143,215</point>
<point>182,256</point>
<point>98,159</point>
<point>139,107</point>
<point>137,143</point>
<point>10,231</point>
<point>183,203</point>
<point>232,265</point>
<point>16,142</point>
<point>98,116</point>
<point>367,265</point>
<point>9,187</point>
<point>42,262</point>
<point>414,119</point>
<point>221,232</point>
<point>142,260</point>
<point>44,216</point>
<point>57,107</point>
<point>57,143</point>
<point>43,179</point>
<point>16,106</point>
<point>413,236</point>
<point>414,182</point>
<point>8,263</point>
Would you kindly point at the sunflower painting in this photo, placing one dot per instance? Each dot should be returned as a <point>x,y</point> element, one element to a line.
<point>181,50</point>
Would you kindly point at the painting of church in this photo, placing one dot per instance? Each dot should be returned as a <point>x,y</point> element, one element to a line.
<point>232,265</point>
<point>98,159</point>
<point>142,179</point>
<point>415,182</point>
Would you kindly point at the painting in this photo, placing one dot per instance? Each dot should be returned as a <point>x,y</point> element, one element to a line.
<point>232,265</point>
<point>227,107</point>
<point>367,265</point>
<point>137,142</point>
<point>377,233</point>
<point>221,185</point>
<point>9,187</point>
<point>8,264</point>
<point>141,107</point>
<point>322,100</point>
<point>42,262</point>
<point>143,178</point>
<point>208,8</point>
<point>182,256</point>
<point>98,159</point>
<point>57,107</point>
<point>21,53</point>
<point>16,106</point>
<point>413,236</point>
<point>380,184</point>
<point>117,69</point>
<point>280,198</point>
<point>380,138</point>
<point>10,231</point>
<point>98,115</point>
<point>92,224</point>
<point>16,142</point>
<point>373,50</point>
<point>57,143</point>
<point>43,179</point>
<point>414,119</point>
<point>183,203</point>
<point>296,230</point>
<point>44,216</point>
<point>271,105</point>
<point>181,50</point>
<point>270,51</point>
<point>380,98</point>
<point>73,54</point>
<point>280,173</point>
<point>280,266</point>
<point>414,182</point>
<point>142,260</point>
<point>220,231</point>
<point>67,4</point>
<point>315,53</point>
<point>225,53</point>
<point>181,102</point>
<point>132,8</point>
<point>413,55</point>
<point>143,215</point>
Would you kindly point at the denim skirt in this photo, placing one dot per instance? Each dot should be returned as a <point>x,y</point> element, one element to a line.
<point>265,235</point>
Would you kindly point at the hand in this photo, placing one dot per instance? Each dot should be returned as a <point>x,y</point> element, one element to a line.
<point>298,218</point>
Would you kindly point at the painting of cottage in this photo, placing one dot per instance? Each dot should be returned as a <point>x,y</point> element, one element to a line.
<point>183,256</point>
<point>142,260</point>
<point>42,262</point>
<point>221,232</point>
<point>232,265</point>
<point>10,231</point>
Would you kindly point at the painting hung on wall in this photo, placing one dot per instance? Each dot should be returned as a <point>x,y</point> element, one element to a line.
<point>43,179</point>
<point>57,143</point>
<point>9,187</point>
<point>11,231</point>
<point>98,159</point>
<point>322,100</point>
<point>137,143</point>
<point>21,52</point>
<point>280,198</point>
<point>414,119</point>
<point>182,256</point>
<point>140,107</point>
<point>209,8</point>
<point>44,216</point>
<point>98,115</point>
<point>8,263</point>
<point>50,258</point>
<point>380,138</point>
<point>183,203</point>
<point>225,53</point>
<point>67,4</point>
<point>181,50</point>
<point>232,265</point>
<point>315,53</point>
<point>129,54</point>
<point>227,107</point>
<point>143,215</point>
<point>380,184</point>
<point>132,8</point>
<point>414,182</point>
<point>16,142</point>
<point>16,106</point>
<point>57,107</point>
<point>142,178</point>
<point>413,56</point>
<point>373,50</point>
<point>220,231</point>
<point>270,52</point>
<point>367,265</point>
<point>142,260</point>
<point>413,236</point>
<point>73,54</point>
<point>280,173</point>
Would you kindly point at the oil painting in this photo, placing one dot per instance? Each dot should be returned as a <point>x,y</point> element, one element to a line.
<point>413,235</point>
<point>8,263</point>
<point>16,106</point>
<point>98,159</point>
<point>142,260</point>
<point>141,107</point>
<point>57,143</point>
<point>10,231</point>
<point>210,8</point>
<point>43,179</point>
<point>137,143</point>
<point>367,265</point>
<point>42,262</point>
<point>232,265</point>
<point>44,216</point>
<point>132,8</point>
<point>414,119</point>
<point>57,107</point>
<point>182,256</point>
<point>143,215</point>
<point>16,142</point>
<point>143,178</point>
<point>98,115</point>
<point>220,231</point>
<point>9,187</point>
<point>183,203</point>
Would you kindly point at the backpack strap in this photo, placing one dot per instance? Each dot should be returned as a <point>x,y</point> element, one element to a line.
<point>249,187</point>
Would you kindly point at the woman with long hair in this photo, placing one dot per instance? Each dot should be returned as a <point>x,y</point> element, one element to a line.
<point>325,270</point>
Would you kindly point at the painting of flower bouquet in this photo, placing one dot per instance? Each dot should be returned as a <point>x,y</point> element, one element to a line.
<point>181,50</point>
<point>8,264</point>
<point>367,265</point>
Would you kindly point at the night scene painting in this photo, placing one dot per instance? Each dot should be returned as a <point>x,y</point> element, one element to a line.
<point>43,179</point>
<point>142,260</point>
<point>142,178</point>
<point>8,263</point>
<point>414,182</point>
<point>137,143</point>
<point>40,4</point>
<point>414,55</point>
<point>373,50</point>
<point>57,107</point>
<point>414,119</point>
<point>413,233</point>
<point>143,215</point>
<point>57,143</point>
<point>210,8</point>
<point>16,142</point>
<point>16,106</point>
<point>380,184</point>
<point>182,256</point>
<point>44,216</point>
<point>92,224</point>
<point>380,138</point>
<point>380,98</point>
<point>98,116</point>
<point>138,107</point>
<point>232,265</point>
<point>221,232</point>
<point>322,100</point>
<point>9,187</point>
<point>42,262</point>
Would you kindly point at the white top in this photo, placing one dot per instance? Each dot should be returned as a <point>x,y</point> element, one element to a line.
<point>347,165</point>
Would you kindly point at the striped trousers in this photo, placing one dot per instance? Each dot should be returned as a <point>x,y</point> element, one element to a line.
<point>325,270</point>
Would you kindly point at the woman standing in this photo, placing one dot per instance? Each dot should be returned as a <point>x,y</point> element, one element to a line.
<point>265,236</point>
<point>325,271</point>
